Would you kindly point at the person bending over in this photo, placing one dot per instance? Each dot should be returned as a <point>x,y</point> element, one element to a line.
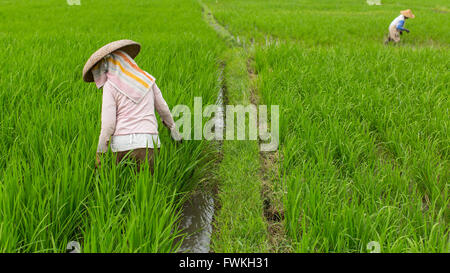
<point>130,97</point>
<point>396,27</point>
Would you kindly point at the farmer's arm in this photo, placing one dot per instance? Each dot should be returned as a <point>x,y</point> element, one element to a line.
<point>108,119</point>
<point>162,108</point>
<point>164,113</point>
<point>400,26</point>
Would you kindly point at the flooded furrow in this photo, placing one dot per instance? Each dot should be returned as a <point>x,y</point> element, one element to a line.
<point>196,221</point>
<point>198,210</point>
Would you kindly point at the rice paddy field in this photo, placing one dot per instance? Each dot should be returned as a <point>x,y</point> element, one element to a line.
<point>363,154</point>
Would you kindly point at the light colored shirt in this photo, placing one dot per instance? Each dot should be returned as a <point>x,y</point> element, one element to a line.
<point>121,116</point>
<point>398,23</point>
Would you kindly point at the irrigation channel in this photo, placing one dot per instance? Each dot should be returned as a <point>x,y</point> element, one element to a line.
<point>198,210</point>
<point>196,221</point>
<point>199,218</point>
<point>198,215</point>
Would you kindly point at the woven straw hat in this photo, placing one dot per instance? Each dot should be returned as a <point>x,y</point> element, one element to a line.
<point>407,13</point>
<point>132,48</point>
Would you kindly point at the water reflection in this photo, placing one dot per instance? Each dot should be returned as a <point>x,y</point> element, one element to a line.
<point>196,221</point>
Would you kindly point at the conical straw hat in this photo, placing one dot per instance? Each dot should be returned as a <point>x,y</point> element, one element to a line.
<point>132,48</point>
<point>407,13</point>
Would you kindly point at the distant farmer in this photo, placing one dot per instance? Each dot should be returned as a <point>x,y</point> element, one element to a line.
<point>396,27</point>
<point>130,96</point>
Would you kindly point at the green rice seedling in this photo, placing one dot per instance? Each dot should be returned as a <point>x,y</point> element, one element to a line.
<point>363,127</point>
<point>348,182</point>
<point>329,23</point>
<point>50,193</point>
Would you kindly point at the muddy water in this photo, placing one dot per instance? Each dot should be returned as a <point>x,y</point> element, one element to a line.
<point>196,221</point>
<point>198,211</point>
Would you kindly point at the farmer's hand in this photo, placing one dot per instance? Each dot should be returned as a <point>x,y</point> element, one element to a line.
<point>97,160</point>
<point>176,135</point>
<point>407,30</point>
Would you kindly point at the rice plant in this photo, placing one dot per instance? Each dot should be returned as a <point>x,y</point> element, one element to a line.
<point>50,192</point>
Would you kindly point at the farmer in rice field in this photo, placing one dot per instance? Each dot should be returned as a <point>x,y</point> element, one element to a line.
<point>130,97</point>
<point>396,27</point>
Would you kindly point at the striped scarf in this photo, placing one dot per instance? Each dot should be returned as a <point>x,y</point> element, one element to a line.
<point>124,74</point>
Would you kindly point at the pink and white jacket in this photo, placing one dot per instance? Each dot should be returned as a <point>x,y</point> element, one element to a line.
<point>122,116</point>
<point>130,97</point>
